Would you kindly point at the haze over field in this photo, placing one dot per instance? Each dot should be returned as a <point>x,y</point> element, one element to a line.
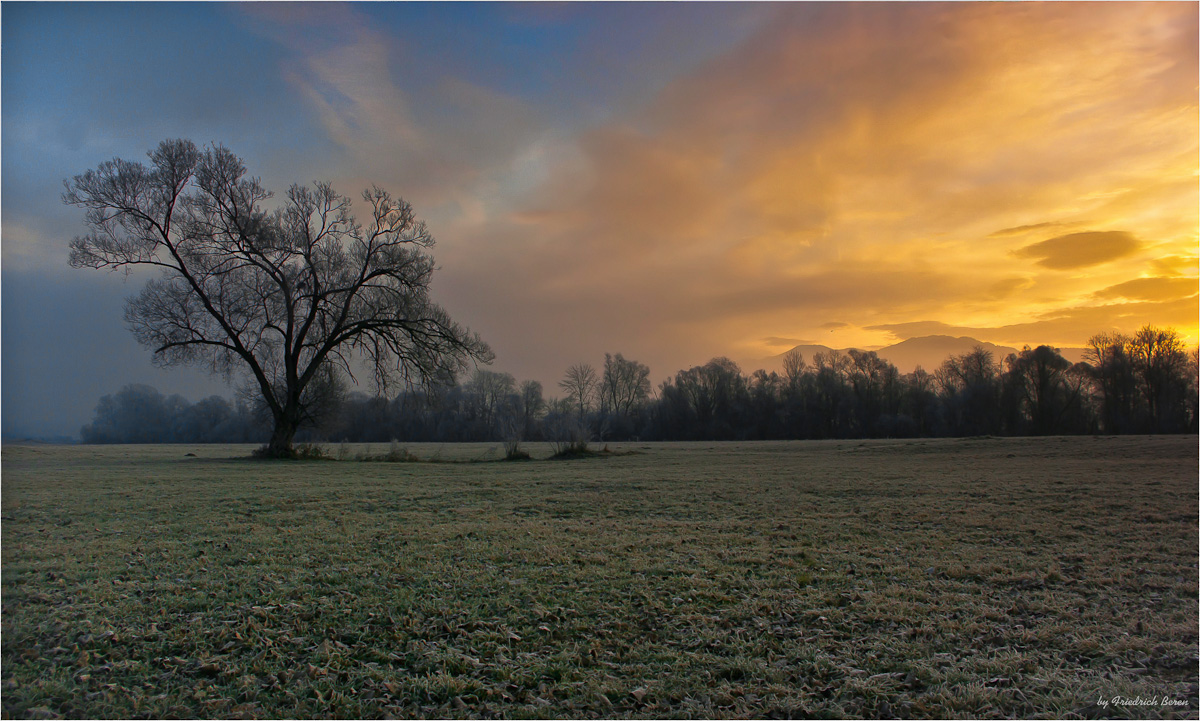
<point>668,181</point>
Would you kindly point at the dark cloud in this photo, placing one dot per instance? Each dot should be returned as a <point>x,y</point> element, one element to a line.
<point>1151,289</point>
<point>1080,250</point>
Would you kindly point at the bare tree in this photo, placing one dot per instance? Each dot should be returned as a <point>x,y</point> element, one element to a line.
<point>793,368</point>
<point>1193,389</point>
<point>493,397</point>
<point>1043,381</point>
<point>1115,379</point>
<point>1160,361</point>
<point>715,392</point>
<point>533,407</point>
<point>563,428</point>
<point>875,383</point>
<point>970,386</point>
<point>920,400</point>
<point>581,385</point>
<point>831,393</point>
<point>625,384</point>
<point>293,298</point>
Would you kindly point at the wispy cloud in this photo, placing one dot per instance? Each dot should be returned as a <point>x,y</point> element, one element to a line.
<point>434,139</point>
<point>1023,229</point>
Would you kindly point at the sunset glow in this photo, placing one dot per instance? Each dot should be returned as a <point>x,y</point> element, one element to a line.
<point>722,180</point>
<point>1021,174</point>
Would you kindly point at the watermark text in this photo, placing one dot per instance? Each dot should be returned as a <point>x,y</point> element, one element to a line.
<point>1131,701</point>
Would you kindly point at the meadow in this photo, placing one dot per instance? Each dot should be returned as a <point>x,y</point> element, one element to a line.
<point>1047,577</point>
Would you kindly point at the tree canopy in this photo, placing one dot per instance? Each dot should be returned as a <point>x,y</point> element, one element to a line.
<point>296,298</point>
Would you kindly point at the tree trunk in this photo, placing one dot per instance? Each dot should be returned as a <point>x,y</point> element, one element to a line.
<point>280,445</point>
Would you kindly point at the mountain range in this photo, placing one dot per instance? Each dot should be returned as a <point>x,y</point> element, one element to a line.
<point>929,352</point>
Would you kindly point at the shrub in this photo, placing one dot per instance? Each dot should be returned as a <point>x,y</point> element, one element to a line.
<point>396,454</point>
<point>514,452</point>
<point>311,452</point>
<point>301,452</point>
<point>572,449</point>
<point>567,437</point>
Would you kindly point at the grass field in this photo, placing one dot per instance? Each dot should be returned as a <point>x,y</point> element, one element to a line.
<point>964,578</point>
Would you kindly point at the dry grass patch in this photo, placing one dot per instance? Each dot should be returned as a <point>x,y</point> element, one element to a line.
<point>981,578</point>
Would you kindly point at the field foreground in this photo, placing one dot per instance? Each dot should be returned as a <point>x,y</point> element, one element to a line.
<point>965,578</point>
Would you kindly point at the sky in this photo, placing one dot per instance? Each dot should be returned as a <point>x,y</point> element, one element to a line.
<point>673,182</point>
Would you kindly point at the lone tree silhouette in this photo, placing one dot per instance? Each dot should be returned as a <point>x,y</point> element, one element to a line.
<point>295,297</point>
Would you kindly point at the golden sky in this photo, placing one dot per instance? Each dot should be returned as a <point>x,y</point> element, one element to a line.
<point>670,181</point>
<point>858,174</point>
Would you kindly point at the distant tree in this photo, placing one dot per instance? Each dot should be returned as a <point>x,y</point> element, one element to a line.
<point>970,385</point>
<point>919,401</point>
<point>876,385</point>
<point>1160,363</point>
<point>562,426</point>
<point>493,397</point>
<point>672,416</point>
<point>831,402</point>
<point>1044,389</point>
<point>624,385</point>
<point>766,404</point>
<point>581,385</point>
<point>858,394</point>
<point>793,369</point>
<point>532,408</point>
<point>1081,417</point>
<point>135,414</point>
<point>141,414</point>
<point>203,422</point>
<point>1113,374</point>
<point>1193,390</point>
<point>716,395</point>
<point>293,298</point>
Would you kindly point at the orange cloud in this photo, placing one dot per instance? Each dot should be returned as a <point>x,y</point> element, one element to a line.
<point>854,161</point>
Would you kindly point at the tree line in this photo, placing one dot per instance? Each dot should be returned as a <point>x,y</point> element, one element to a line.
<point>1140,383</point>
<point>293,297</point>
